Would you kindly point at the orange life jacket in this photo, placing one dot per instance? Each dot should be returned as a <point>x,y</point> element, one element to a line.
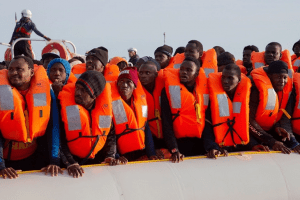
<point>111,71</point>
<point>296,113</point>
<point>241,66</point>
<point>230,119</point>
<point>271,104</point>
<point>295,62</point>
<point>209,61</point>
<point>86,135</point>
<point>154,109</point>
<point>258,60</point>
<point>129,123</point>
<point>12,123</point>
<point>188,109</point>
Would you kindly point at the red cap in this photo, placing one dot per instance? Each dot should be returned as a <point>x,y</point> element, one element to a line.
<point>130,73</point>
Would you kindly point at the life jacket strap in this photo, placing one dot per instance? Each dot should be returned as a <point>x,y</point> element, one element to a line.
<point>92,149</point>
<point>175,115</point>
<point>129,130</point>
<point>87,136</point>
<point>9,150</point>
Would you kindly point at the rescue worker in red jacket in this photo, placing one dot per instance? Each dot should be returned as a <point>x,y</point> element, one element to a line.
<point>23,29</point>
<point>28,139</point>
<point>183,103</point>
<point>163,55</point>
<point>246,62</point>
<point>296,56</point>
<point>134,138</point>
<point>229,113</point>
<point>86,111</point>
<point>270,105</point>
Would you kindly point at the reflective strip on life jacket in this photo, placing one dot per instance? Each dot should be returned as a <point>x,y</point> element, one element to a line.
<point>39,99</point>
<point>236,107</point>
<point>119,112</point>
<point>297,63</point>
<point>104,121</point>
<point>177,66</point>
<point>175,96</point>
<point>223,105</point>
<point>208,71</point>
<point>6,98</point>
<point>271,102</point>
<point>206,99</point>
<point>258,65</point>
<point>73,117</point>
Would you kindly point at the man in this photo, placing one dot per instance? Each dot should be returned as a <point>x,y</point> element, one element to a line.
<point>146,59</point>
<point>152,83</point>
<point>86,112</point>
<point>27,136</point>
<point>120,62</point>
<point>133,55</point>
<point>47,57</point>
<point>295,57</point>
<point>225,59</point>
<point>163,55</point>
<point>194,48</point>
<point>96,60</point>
<point>183,104</point>
<point>219,50</point>
<point>270,108</point>
<point>24,29</point>
<point>76,60</point>
<point>246,62</point>
<point>179,50</point>
<point>229,113</point>
<point>129,106</point>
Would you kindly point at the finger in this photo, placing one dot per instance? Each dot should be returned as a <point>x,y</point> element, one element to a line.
<point>277,130</point>
<point>14,172</point>
<point>60,170</point>
<point>181,157</point>
<point>43,169</point>
<point>267,148</point>
<point>69,172</point>
<point>56,170</point>
<point>3,175</point>
<point>74,173</point>
<point>80,173</point>
<point>81,169</point>
<point>9,174</point>
<point>47,169</point>
<point>225,153</point>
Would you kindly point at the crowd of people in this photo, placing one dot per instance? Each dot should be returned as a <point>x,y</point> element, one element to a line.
<point>59,113</point>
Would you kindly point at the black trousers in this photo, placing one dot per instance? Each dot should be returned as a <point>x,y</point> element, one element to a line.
<point>23,47</point>
<point>191,146</point>
<point>29,163</point>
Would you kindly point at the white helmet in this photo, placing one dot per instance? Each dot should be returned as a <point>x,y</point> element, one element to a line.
<point>26,13</point>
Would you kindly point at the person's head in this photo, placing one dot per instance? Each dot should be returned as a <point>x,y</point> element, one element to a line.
<point>120,62</point>
<point>231,76</point>
<point>96,59</point>
<point>224,59</point>
<point>247,54</point>
<point>47,57</point>
<point>26,14</point>
<point>145,59</point>
<point>76,60</point>
<point>20,72</point>
<point>278,74</point>
<point>272,52</point>
<point>219,50</point>
<point>4,64</point>
<point>148,73</point>
<point>132,52</point>
<point>163,55</point>
<point>88,87</point>
<point>179,50</point>
<point>189,70</point>
<point>296,48</point>
<point>194,48</point>
<point>59,70</point>
<point>127,82</point>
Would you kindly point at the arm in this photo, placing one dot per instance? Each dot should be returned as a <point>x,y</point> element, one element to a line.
<point>167,123</point>
<point>2,161</point>
<point>149,144</point>
<point>33,27</point>
<point>13,35</point>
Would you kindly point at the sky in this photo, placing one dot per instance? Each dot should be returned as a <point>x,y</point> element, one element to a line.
<point>119,25</point>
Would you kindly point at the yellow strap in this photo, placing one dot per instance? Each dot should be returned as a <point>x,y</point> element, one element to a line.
<point>157,114</point>
<point>198,113</point>
<point>286,113</point>
<point>26,115</point>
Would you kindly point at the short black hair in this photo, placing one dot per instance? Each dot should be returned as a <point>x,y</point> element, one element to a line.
<point>198,44</point>
<point>225,59</point>
<point>251,48</point>
<point>219,50</point>
<point>192,59</point>
<point>37,62</point>
<point>27,60</point>
<point>179,50</point>
<point>149,62</point>
<point>233,67</point>
<point>275,44</point>
<point>76,58</point>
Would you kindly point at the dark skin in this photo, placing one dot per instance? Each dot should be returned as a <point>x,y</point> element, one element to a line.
<point>188,73</point>
<point>247,58</point>
<point>162,59</point>
<point>221,67</point>
<point>147,76</point>
<point>192,51</point>
<point>230,80</point>
<point>125,88</point>
<point>47,61</point>
<point>94,64</point>
<point>19,74</point>
<point>58,77</point>
<point>122,65</point>
<point>272,53</point>
<point>139,63</point>
<point>297,50</point>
